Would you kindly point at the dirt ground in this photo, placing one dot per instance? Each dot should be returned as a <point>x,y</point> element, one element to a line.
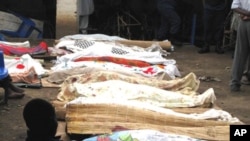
<point>12,126</point>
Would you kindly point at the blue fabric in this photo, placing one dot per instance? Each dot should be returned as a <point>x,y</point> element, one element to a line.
<point>3,70</point>
<point>2,37</point>
<point>115,136</point>
<point>142,135</point>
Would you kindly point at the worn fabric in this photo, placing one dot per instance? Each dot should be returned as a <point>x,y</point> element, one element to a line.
<point>18,51</point>
<point>85,48</point>
<point>242,52</point>
<point>235,21</point>
<point>170,20</point>
<point>129,62</point>
<point>143,135</point>
<point>28,77</point>
<point>209,114</point>
<point>187,85</point>
<point>121,90</point>
<point>242,49</point>
<point>83,24</point>
<point>244,4</point>
<point>214,18</point>
<point>59,77</point>
<point>247,69</point>
<point>85,7</point>
<point>151,71</point>
<point>91,37</point>
<point>16,44</point>
<point>23,65</point>
<point>24,69</point>
<point>215,4</point>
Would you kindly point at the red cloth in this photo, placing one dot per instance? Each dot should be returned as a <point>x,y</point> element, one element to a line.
<point>116,60</point>
<point>10,50</point>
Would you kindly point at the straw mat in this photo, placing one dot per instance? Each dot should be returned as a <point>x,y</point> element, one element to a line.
<point>103,118</point>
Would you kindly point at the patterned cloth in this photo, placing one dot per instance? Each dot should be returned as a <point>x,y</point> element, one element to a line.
<point>142,135</point>
<point>151,71</point>
<point>121,90</point>
<point>187,85</point>
<point>129,58</point>
<point>117,60</point>
<point>18,51</point>
<point>24,69</point>
<point>85,48</point>
<point>83,43</point>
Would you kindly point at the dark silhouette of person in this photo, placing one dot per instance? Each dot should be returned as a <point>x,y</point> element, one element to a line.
<point>40,118</point>
<point>214,18</point>
<point>10,90</point>
<point>170,22</point>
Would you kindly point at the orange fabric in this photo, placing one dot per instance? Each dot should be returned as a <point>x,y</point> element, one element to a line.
<point>129,62</point>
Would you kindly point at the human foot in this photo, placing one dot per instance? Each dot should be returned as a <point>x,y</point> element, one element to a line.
<point>15,95</point>
<point>16,89</point>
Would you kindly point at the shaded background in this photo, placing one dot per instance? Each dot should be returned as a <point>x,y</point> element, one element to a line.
<point>104,19</point>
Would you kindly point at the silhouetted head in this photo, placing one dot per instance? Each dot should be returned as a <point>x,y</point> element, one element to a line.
<point>40,118</point>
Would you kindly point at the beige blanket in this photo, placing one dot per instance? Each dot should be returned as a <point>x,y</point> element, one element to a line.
<point>29,77</point>
<point>58,77</point>
<point>187,85</point>
<point>124,91</point>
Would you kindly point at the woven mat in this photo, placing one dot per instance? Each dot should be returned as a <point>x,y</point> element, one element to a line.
<point>103,118</point>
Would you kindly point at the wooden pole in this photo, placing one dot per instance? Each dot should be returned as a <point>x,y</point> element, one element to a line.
<point>164,44</point>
